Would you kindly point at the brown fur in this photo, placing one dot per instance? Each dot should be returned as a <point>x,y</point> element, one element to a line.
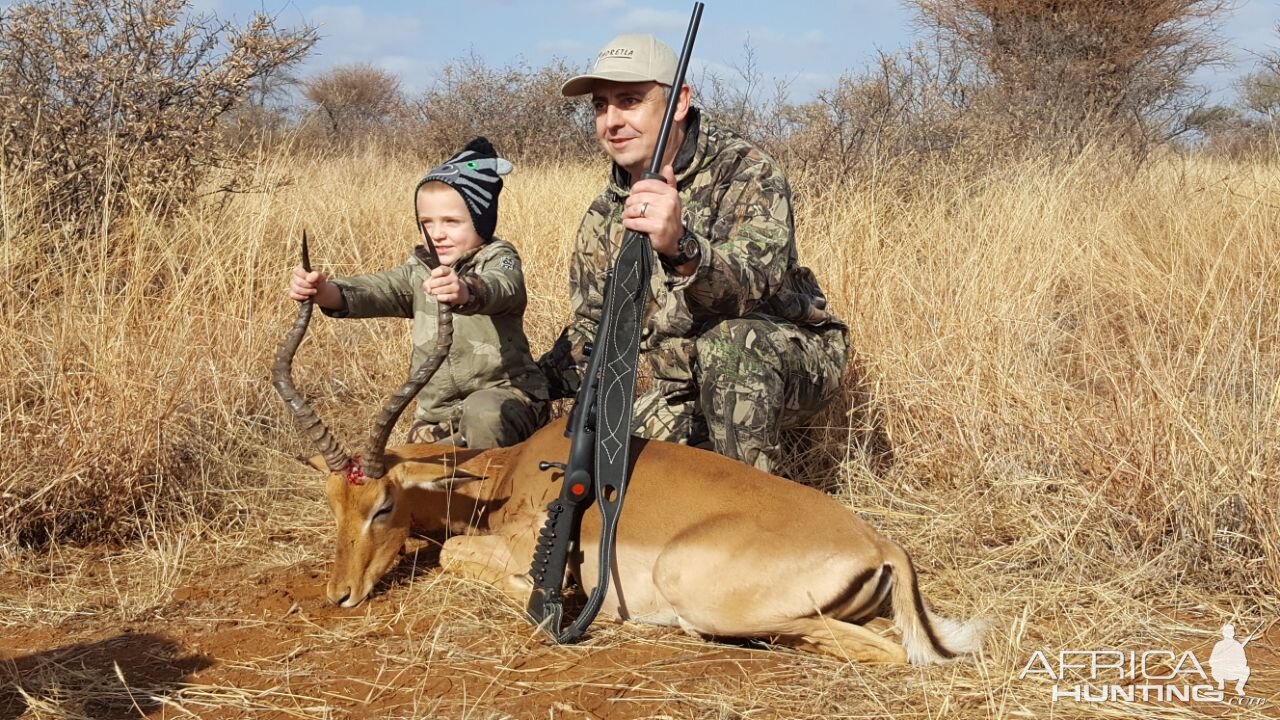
<point>704,542</point>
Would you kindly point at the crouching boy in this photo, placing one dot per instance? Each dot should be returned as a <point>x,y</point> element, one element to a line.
<point>489,392</point>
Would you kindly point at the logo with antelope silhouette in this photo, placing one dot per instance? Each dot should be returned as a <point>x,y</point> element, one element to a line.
<point>1108,676</point>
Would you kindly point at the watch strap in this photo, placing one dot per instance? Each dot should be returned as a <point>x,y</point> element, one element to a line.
<point>687,241</point>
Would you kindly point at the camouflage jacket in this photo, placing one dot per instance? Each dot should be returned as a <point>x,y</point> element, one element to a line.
<point>736,203</point>
<point>489,345</point>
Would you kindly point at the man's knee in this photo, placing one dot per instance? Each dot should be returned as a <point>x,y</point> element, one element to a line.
<point>758,377</point>
<point>740,350</point>
<point>669,418</point>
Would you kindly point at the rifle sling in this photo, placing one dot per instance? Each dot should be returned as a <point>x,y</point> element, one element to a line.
<point>607,396</point>
<point>600,452</point>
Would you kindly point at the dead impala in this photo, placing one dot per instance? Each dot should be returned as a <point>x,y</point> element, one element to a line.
<point>708,544</point>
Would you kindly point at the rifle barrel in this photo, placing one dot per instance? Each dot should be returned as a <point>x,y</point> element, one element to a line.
<point>668,118</point>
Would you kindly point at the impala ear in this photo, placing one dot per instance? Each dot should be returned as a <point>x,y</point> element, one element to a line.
<point>315,462</point>
<point>437,483</point>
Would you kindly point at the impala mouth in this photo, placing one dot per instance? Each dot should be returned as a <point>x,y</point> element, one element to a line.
<point>347,596</point>
<point>348,599</point>
<point>339,597</point>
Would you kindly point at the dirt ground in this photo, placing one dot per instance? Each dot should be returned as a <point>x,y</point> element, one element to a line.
<point>251,639</point>
<point>264,642</point>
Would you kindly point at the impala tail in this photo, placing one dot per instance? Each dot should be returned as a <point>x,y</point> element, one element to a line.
<point>928,638</point>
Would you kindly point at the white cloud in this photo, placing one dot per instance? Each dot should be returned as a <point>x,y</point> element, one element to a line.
<point>414,72</point>
<point>651,20</point>
<point>570,49</point>
<point>352,26</point>
<point>350,34</point>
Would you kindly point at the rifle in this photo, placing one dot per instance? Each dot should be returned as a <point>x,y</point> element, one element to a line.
<point>1253,634</point>
<point>600,425</point>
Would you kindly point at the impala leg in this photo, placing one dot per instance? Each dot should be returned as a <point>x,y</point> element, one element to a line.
<point>842,640</point>
<point>723,582</point>
<point>494,559</point>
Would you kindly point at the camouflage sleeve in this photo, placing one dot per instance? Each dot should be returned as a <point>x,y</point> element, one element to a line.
<point>566,361</point>
<point>746,250</point>
<point>496,286</point>
<point>561,368</point>
<point>382,294</point>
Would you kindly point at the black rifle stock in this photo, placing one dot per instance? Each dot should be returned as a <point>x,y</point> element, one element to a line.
<point>600,425</point>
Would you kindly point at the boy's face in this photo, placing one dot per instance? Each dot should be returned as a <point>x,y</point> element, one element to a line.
<point>444,217</point>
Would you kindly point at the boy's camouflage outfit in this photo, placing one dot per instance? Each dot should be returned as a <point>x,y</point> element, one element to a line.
<point>489,392</point>
<point>742,349</point>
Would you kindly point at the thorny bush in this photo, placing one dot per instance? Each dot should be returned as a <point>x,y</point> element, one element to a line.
<point>116,102</point>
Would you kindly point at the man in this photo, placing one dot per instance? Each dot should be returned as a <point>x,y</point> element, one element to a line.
<point>737,340</point>
<point>1227,661</point>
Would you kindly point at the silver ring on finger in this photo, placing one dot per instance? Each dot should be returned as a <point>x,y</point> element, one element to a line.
<point>643,209</point>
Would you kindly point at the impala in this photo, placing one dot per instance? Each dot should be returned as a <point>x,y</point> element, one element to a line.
<point>706,543</point>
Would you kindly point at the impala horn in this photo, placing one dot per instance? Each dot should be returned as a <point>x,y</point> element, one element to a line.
<point>282,379</point>
<point>386,420</point>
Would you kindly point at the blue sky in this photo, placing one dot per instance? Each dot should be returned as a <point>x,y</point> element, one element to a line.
<point>807,44</point>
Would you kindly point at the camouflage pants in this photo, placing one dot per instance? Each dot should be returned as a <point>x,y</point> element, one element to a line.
<point>753,378</point>
<point>494,417</point>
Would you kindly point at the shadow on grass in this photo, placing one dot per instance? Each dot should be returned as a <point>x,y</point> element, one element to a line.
<point>413,564</point>
<point>85,679</point>
<point>852,429</point>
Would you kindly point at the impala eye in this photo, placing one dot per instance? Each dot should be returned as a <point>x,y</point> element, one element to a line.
<point>384,510</point>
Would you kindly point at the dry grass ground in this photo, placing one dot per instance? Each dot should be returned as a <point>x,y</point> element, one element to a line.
<point>1065,403</point>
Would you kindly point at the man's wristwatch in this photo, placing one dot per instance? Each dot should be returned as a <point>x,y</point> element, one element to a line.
<point>687,251</point>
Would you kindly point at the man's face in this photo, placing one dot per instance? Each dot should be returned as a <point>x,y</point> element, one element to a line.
<point>444,217</point>
<point>628,120</point>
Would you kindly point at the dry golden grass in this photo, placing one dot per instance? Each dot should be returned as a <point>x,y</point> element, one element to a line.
<point>1069,412</point>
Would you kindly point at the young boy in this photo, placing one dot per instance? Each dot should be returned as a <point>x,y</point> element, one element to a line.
<point>489,392</point>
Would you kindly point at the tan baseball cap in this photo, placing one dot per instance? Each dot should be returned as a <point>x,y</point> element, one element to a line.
<point>627,58</point>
